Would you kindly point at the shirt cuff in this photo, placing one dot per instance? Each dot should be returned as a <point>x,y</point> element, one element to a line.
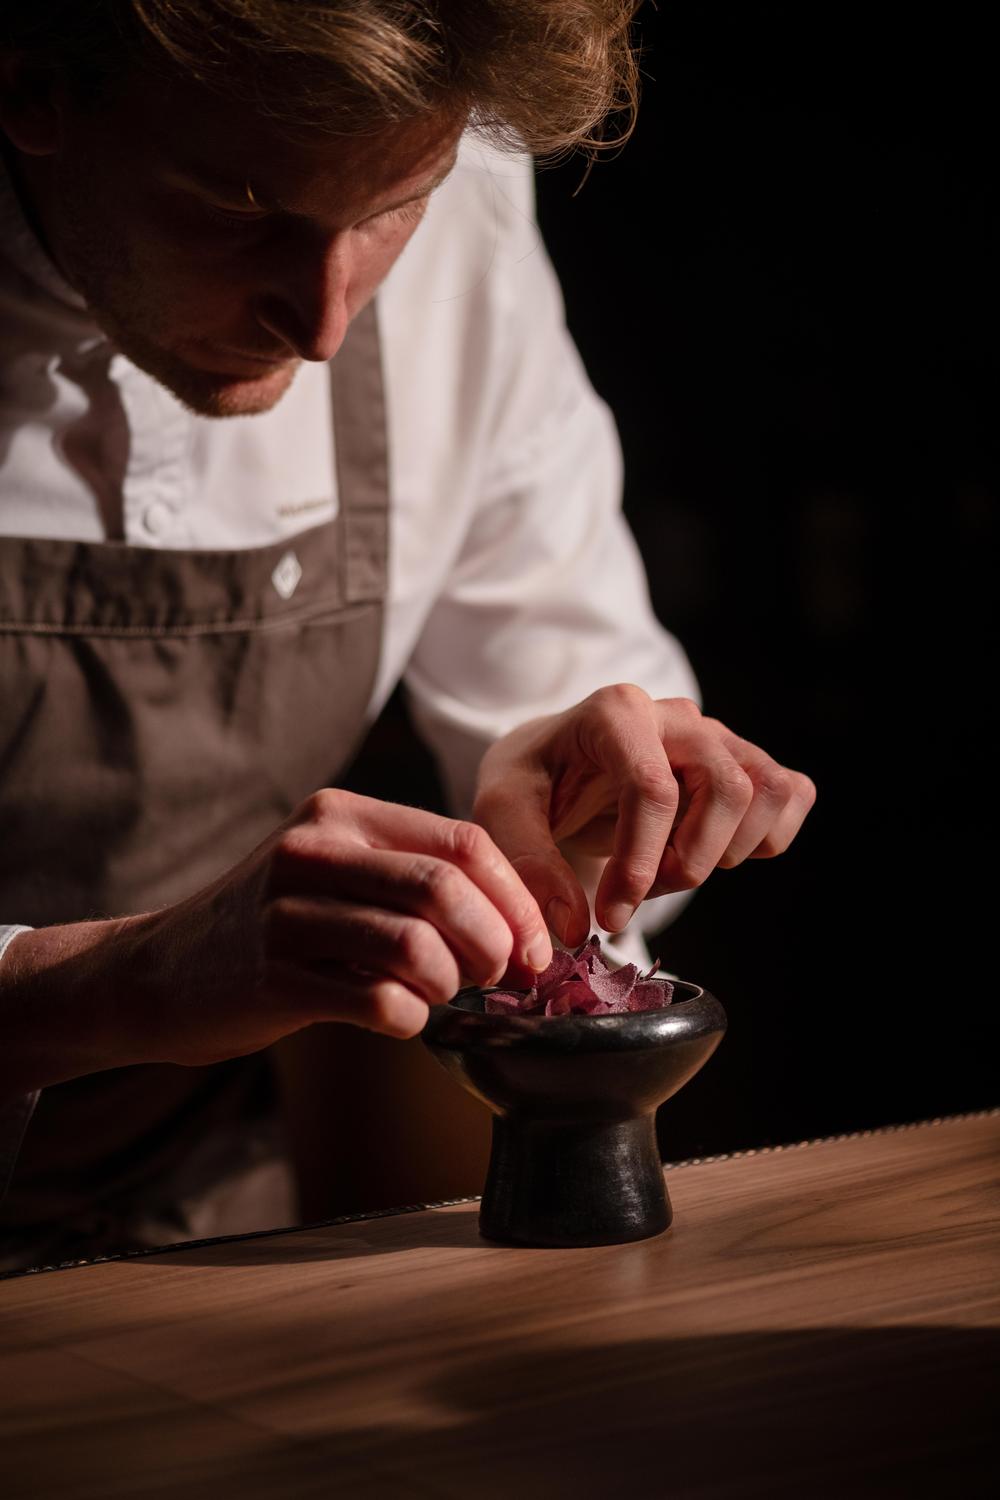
<point>16,1112</point>
<point>7,933</point>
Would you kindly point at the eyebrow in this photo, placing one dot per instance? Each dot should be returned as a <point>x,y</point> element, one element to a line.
<point>228,191</point>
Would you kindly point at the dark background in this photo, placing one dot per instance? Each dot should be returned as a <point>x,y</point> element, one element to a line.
<point>786,288</point>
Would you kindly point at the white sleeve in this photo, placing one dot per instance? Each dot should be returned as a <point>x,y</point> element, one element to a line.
<point>547,599</point>
<point>17,1111</point>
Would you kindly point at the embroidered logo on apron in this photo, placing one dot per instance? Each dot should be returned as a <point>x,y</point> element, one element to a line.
<point>286,575</point>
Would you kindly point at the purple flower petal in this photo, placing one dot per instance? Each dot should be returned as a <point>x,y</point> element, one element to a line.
<point>650,994</point>
<point>582,983</point>
<point>615,985</point>
<point>563,966</point>
<point>576,1000</point>
<point>511,1003</point>
<point>591,956</point>
<point>570,992</point>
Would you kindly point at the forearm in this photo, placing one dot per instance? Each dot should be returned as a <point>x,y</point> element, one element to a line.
<point>61,997</point>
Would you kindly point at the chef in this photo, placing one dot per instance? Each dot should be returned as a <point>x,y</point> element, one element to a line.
<point>288,414</point>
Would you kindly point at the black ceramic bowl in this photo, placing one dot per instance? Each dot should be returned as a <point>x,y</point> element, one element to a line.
<point>574,1158</point>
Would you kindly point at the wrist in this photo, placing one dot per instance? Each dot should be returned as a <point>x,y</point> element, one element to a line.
<point>61,997</point>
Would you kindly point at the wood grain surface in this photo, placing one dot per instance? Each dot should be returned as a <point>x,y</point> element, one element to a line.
<point>821,1321</point>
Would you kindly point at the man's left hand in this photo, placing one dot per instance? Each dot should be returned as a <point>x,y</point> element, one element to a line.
<point>663,793</point>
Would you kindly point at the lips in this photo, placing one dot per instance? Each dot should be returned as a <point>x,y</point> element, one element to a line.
<point>235,363</point>
<point>277,357</point>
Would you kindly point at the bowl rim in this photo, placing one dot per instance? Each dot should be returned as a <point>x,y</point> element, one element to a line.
<point>453,1028</point>
<point>697,992</point>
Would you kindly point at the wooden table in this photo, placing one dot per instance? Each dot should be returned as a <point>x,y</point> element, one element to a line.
<point>821,1321</point>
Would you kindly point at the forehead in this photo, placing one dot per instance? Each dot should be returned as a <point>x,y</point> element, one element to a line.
<point>184,129</point>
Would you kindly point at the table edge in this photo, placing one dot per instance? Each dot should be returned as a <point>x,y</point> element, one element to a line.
<point>417,1208</point>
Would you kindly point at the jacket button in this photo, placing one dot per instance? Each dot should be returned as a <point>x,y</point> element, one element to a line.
<point>157,518</point>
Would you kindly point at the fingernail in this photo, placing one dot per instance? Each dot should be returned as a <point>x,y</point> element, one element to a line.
<point>539,954</point>
<point>558,916</point>
<point>619,917</point>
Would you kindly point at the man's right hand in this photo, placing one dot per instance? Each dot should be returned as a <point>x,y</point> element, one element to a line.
<point>354,910</point>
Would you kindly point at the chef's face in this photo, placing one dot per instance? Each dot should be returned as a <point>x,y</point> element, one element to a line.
<point>216,254</point>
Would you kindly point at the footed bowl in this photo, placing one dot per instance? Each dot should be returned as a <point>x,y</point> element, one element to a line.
<point>574,1158</point>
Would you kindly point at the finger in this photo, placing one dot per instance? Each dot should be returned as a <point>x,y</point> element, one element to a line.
<point>720,793</point>
<point>646,809</point>
<point>333,992</point>
<point>515,811</point>
<point>790,820</point>
<point>391,828</point>
<point>782,799</point>
<point>773,790</point>
<point>420,885</point>
<point>622,736</point>
<point>404,948</point>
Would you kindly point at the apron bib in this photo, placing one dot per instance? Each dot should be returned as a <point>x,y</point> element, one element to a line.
<point>162,712</point>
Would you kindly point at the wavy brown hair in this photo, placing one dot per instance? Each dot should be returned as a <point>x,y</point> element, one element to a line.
<point>545,75</point>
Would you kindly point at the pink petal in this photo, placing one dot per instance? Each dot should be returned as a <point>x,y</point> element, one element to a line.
<point>590,954</point>
<point>560,1004</point>
<point>576,1000</point>
<point>563,969</point>
<point>572,991</point>
<point>581,983</point>
<point>595,1007</point>
<point>510,1003</point>
<point>650,994</point>
<point>615,985</point>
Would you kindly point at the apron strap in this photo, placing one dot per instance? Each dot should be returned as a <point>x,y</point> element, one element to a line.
<point>362,457</point>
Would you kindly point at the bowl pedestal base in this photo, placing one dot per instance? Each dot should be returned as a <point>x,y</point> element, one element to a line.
<point>571,1182</point>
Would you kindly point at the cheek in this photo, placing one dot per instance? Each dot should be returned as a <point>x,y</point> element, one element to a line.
<point>177,307</point>
<point>194,285</point>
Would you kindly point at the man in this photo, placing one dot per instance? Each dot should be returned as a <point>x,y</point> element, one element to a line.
<point>199,618</point>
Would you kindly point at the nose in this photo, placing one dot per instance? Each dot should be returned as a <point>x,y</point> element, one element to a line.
<point>305,304</point>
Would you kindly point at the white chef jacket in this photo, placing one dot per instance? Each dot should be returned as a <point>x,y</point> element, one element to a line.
<point>515,588</point>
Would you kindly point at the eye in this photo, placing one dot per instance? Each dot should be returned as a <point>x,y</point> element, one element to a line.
<point>404,213</point>
<point>232,219</point>
<point>241,222</point>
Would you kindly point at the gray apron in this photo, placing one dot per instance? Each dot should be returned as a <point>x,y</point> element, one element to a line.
<point>161,713</point>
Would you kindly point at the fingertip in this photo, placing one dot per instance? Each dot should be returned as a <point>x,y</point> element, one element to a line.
<point>570,924</point>
<point>613,910</point>
<point>579,931</point>
<point>617,917</point>
<point>410,1021</point>
<point>539,954</point>
<point>399,1013</point>
<point>558,918</point>
<point>516,976</point>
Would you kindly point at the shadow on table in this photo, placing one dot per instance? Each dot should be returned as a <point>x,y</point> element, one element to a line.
<point>907,1411</point>
<point>898,1411</point>
<point>879,1413</point>
<point>443,1228</point>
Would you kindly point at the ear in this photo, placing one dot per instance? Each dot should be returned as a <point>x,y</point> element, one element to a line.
<point>30,105</point>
